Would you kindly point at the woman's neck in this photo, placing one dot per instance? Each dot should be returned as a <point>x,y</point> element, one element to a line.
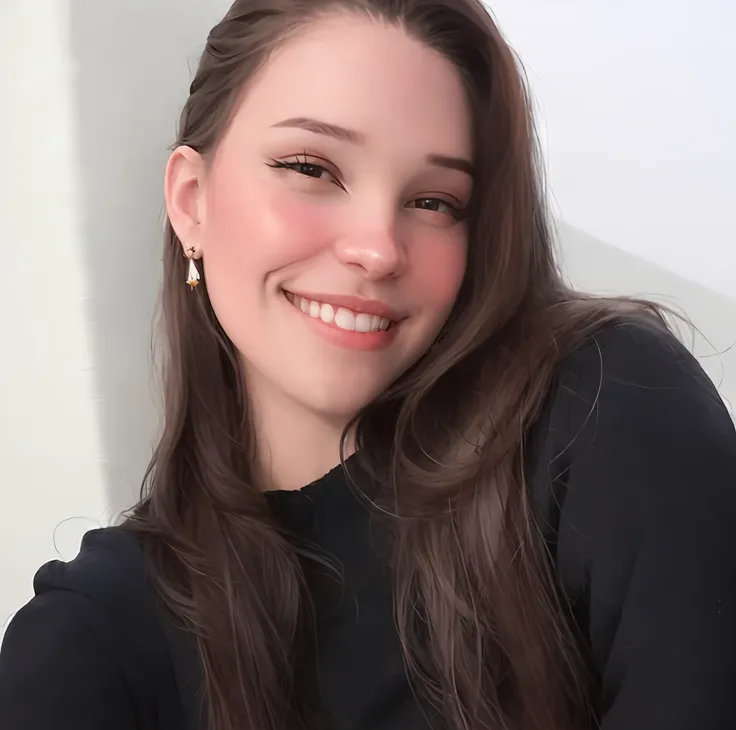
<point>295,446</point>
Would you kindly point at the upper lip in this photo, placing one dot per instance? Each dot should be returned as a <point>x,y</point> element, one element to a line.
<point>353,303</point>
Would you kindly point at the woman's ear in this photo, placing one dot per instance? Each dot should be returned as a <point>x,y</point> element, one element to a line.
<point>184,193</point>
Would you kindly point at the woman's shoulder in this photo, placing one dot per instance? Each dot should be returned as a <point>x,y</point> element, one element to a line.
<point>110,562</point>
<point>631,371</point>
<point>109,570</point>
<point>633,429</point>
<point>107,581</point>
<point>635,482</point>
<point>632,352</point>
<point>91,646</point>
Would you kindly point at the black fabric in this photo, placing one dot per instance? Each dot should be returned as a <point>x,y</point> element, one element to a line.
<point>632,473</point>
<point>89,651</point>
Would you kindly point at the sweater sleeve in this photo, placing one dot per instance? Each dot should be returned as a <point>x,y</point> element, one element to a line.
<point>57,674</point>
<point>646,540</point>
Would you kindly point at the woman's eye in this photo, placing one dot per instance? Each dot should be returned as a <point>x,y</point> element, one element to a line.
<point>437,205</point>
<point>309,169</point>
<point>305,168</point>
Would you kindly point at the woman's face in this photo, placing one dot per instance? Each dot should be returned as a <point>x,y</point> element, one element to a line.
<point>331,216</point>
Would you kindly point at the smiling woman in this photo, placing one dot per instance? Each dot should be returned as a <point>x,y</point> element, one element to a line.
<point>339,199</point>
<point>408,480</point>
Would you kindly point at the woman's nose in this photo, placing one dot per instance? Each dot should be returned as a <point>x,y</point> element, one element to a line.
<point>379,253</point>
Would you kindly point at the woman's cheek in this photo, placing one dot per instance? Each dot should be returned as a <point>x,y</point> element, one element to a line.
<point>439,268</point>
<point>278,227</point>
<point>297,226</point>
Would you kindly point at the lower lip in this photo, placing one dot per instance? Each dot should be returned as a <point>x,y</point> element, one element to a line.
<point>366,341</point>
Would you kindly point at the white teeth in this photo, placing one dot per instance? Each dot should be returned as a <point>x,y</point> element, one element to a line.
<point>342,318</point>
<point>327,313</point>
<point>363,322</point>
<point>345,319</point>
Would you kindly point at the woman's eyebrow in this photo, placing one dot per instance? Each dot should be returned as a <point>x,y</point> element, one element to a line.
<point>350,135</point>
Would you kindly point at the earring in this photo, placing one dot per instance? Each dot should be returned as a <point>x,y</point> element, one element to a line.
<point>193,275</point>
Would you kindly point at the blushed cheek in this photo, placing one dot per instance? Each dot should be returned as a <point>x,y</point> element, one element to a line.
<point>269,230</point>
<point>440,272</point>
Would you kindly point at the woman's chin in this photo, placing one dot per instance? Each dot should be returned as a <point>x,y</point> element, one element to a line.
<point>339,402</point>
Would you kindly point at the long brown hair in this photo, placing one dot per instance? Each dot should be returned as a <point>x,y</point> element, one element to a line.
<point>486,637</point>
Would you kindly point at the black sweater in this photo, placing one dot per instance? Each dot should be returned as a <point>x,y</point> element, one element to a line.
<point>632,469</point>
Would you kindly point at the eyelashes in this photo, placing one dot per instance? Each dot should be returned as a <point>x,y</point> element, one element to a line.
<point>306,168</point>
<point>303,168</point>
<point>309,167</point>
<point>435,205</point>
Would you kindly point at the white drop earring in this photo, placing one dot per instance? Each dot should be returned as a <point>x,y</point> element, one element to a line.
<point>193,276</point>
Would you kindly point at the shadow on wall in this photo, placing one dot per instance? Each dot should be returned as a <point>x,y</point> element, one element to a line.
<point>132,75</point>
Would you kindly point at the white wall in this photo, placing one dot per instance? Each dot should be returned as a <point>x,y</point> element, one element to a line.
<point>92,111</point>
<point>50,443</point>
<point>639,104</point>
<point>93,90</point>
